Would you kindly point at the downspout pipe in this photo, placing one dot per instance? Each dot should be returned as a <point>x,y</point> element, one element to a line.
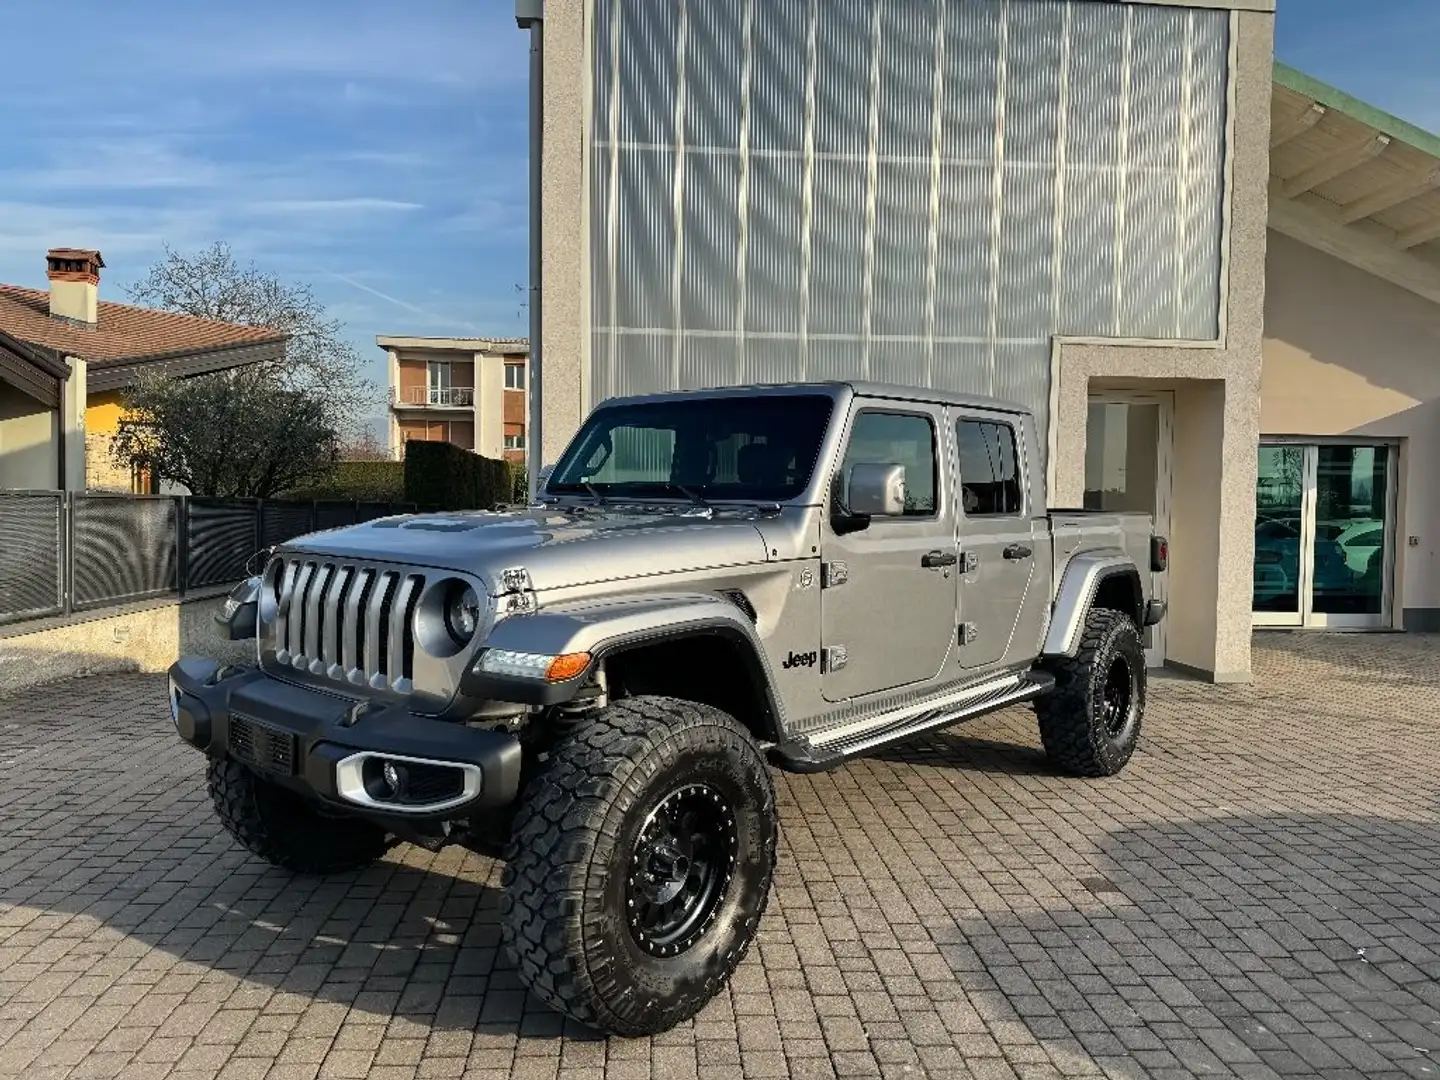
<point>530,15</point>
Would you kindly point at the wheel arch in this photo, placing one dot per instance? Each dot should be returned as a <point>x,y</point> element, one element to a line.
<point>700,647</point>
<point>1094,579</point>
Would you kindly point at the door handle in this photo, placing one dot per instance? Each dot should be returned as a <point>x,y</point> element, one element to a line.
<point>934,560</point>
<point>1016,552</point>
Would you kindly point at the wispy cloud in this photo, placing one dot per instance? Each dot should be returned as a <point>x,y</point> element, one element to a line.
<point>406,305</point>
<point>362,205</point>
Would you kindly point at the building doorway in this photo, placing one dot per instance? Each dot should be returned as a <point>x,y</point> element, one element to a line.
<point>1128,444</point>
<point>1324,534</point>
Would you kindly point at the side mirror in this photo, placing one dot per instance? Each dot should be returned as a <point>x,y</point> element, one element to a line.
<point>877,490</point>
<point>238,619</point>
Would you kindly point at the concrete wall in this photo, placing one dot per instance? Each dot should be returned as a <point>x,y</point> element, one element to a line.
<point>1217,398</point>
<point>29,441</point>
<point>1347,353</point>
<point>148,638</point>
<point>564,317</point>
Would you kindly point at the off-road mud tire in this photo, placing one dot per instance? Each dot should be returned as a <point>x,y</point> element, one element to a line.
<point>1073,722</point>
<point>286,830</point>
<point>565,909</point>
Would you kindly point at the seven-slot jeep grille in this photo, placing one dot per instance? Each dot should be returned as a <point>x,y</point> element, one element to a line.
<point>347,622</point>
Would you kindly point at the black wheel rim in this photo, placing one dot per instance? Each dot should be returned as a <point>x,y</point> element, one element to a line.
<point>684,858</point>
<point>1116,697</point>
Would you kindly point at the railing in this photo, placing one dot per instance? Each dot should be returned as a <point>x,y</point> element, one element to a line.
<point>62,553</point>
<point>420,397</point>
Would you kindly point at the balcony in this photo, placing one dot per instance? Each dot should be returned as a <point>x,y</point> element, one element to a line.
<point>435,397</point>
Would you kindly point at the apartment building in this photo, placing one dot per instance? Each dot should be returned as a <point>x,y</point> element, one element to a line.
<point>473,392</point>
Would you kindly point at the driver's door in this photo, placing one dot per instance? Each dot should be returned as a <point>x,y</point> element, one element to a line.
<point>888,605</point>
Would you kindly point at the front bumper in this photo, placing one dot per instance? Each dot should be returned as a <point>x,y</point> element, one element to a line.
<point>335,749</point>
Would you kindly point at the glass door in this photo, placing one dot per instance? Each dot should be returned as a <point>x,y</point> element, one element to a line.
<point>1281,504</point>
<point>439,376</point>
<point>1127,468</point>
<point>1324,532</point>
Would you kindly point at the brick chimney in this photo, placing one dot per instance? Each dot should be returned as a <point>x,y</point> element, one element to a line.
<point>74,275</point>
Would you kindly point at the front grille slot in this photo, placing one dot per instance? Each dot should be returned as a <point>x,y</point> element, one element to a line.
<point>427,784</point>
<point>262,746</point>
<point>348,623</point>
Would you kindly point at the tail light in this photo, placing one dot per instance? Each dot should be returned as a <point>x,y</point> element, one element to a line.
<point>1159,554</point>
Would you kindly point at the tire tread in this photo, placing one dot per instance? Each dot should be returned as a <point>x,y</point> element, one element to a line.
<point>1067,728</point>
<point>563,825</point>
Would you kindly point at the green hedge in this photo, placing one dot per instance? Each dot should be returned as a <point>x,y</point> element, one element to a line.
<point>356,481</point>
<point>442,476</point>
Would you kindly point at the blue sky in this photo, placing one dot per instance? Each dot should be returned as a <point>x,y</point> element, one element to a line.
<point>373,150</point>
<point>377,150</point>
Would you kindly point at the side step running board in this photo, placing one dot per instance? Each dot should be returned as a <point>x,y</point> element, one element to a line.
<point>823,750</point>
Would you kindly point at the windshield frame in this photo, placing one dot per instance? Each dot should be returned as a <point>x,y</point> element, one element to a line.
<point>810,493</point>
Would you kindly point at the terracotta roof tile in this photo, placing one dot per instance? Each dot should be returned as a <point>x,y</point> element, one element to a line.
<point>123,333</point>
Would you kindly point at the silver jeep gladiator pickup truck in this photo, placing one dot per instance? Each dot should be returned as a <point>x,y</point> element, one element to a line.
<point>590,687</point>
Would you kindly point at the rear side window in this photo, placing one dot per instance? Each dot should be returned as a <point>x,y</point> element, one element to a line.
<point>989,469</point>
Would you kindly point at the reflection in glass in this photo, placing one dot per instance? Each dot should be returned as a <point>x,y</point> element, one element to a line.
<point>1351,495</point>
<point>1279,496</point>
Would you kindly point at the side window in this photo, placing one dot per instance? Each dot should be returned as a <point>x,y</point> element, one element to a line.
<point>989,469</point>
<point>882,438</point>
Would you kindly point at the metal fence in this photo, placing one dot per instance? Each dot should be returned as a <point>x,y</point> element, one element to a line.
<point>62,553</point>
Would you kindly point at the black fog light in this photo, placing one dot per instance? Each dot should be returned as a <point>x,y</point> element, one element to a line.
<point>385,780</point>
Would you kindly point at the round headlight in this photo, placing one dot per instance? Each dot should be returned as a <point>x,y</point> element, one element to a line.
<point>462,613</point>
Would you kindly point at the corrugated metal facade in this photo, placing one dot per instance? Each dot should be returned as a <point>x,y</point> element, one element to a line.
<point>914,191</point>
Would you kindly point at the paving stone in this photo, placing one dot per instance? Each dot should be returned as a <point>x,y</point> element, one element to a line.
<point>1255,897</point>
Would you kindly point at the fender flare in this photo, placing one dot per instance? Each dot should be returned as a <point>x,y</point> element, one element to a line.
<point>1083,576</point>
<point>608,627</point>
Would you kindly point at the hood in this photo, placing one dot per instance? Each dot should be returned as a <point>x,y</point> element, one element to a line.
<point>559,549</point>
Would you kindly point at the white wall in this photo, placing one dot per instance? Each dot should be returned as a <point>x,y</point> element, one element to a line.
<point>1349,354</point>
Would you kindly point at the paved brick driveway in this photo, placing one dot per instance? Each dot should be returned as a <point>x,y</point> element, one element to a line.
<point>1259,894</point>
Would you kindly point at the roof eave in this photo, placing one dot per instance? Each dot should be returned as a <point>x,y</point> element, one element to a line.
<point>118,375</point>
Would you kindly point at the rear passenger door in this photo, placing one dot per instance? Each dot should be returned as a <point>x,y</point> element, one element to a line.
<point>997,549</point>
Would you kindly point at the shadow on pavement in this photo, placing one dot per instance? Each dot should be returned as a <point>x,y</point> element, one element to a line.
<point>1233,945</point>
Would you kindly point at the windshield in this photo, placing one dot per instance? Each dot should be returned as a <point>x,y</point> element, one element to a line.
<point>760,448</point>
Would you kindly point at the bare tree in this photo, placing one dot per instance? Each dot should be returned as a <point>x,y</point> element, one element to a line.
<point>364,446</point>
<point>319,362</point>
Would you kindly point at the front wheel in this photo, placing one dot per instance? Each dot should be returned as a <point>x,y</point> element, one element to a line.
<point>640,865</point>
<point>1090,723</point>
<point>286,830</point>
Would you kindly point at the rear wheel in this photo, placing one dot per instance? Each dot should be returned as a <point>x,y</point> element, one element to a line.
<point>286,830</point>
<point>1090,724</point>
<point>640,865</point>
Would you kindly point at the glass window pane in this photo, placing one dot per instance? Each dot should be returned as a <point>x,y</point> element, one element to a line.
<point>1279,495</point>
<point>1351,498</point>
<point>1122,444</point>
<point>989,471</point>
<point>741,448</point>
<point>880,438</point>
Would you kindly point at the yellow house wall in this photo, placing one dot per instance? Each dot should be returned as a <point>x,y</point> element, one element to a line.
<point>103,413</point>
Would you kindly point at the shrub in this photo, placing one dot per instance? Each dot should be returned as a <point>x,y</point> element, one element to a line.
<point>356,481</point>
<point>442,476</point>
<point>519,483</point>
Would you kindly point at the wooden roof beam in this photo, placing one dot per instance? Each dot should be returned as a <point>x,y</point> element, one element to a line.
<point>1297,125</point>
<point>1421,234</point>
<point>1388,197</point>
<point>1337,164</point>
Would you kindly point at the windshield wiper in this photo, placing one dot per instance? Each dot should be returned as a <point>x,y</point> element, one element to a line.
<point>692,494</point>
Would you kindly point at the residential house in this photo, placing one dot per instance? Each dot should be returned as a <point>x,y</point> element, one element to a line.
<point>473,392</point>
<point>66,359</point>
